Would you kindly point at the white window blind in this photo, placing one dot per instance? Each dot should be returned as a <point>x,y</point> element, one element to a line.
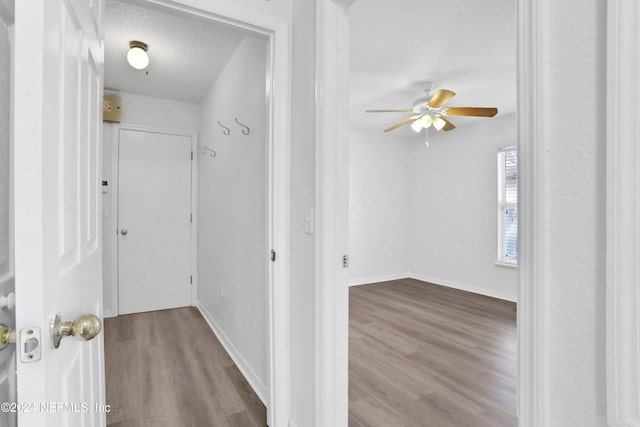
<point>508,206</point>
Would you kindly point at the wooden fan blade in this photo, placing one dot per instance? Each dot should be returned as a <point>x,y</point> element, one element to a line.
<point>441,123</point>
<point>402,123</point>
<point>440,98</point>
<point>389,111</point>
<point>472,111</point>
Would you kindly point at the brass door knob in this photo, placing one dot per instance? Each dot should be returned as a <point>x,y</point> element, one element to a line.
<point>7,336</point>
<point>124,232</point>
<point>84,328</point>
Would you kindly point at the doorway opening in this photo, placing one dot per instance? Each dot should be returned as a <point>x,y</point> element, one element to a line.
<point>433,316</point>
<point>195,194</point>
<point>333,170</point>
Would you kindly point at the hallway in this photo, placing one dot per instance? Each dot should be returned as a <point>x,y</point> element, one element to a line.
<point>167,368</point>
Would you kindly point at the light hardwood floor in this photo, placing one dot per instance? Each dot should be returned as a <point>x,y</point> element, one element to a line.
<point>166,368</point>
<point>426,355</point>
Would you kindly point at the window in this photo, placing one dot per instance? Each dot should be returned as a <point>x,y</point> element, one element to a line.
<point>508,206</point>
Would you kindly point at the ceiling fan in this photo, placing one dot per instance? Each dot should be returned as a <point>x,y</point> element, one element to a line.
<point>430,110</point>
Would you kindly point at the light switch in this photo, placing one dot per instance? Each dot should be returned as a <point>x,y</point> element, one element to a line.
<point>308,220</point>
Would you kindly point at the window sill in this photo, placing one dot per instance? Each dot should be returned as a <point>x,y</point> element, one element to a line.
<point>506,264</point>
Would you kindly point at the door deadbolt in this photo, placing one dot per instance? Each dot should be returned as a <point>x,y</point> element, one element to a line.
<point>124,232</point>
<point>84,328</point>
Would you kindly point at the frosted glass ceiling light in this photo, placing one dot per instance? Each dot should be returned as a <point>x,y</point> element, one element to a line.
<point>416,125</point>
<point>426,121</point>
<point>137,55</point>
<point>423,122</point>
<point>439,123</point>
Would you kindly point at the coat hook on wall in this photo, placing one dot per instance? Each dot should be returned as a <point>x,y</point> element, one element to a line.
<point>205,149</point>
<point>246,129</point>
<point>226,130</point>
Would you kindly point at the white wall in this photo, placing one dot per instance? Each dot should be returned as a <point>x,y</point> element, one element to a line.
<point>573,86</point>
<point>232,211</point>
<point>145,111</point>
<point>429,212</point>
<point>279,8</point>
<point>453,207</point>
<point>300,14</point>
<point>379,177</point>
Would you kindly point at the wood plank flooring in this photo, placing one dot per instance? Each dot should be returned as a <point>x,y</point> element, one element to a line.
<point>420,355</point>
<point>167,368</point>
<point>426,355</point>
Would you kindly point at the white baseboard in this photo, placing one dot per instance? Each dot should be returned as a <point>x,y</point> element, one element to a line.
<point>464,287</point>
<point>108,313</point>
<point>377,279</point>
<point>436,281</point>
<point>244,367</point>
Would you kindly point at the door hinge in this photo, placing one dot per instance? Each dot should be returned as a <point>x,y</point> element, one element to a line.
<point>191,279</point>
<point>345,261</point>
<point>190,217</point>
<point>192,155</point>
<point>273,255</point>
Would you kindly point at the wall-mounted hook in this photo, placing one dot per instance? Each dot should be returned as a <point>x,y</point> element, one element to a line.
<point>202,150</point>
<point>226,130</point>
<point>246,129</point>
<point>212,153</point>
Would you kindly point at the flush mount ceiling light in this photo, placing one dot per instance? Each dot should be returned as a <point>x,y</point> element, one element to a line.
<point>137,55</point>
<point>430,111</point>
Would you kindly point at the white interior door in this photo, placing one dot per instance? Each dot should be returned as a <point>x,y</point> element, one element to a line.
<point>58,99</point>
<point>154,221</point>
<point>7,278</point>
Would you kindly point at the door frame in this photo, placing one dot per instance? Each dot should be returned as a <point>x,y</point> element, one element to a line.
<point>7,9</point>
<point>331,199</point>
<point>622,214</point>
<point>331,329</point>
<point>115,205</point>
<point>278,34</point>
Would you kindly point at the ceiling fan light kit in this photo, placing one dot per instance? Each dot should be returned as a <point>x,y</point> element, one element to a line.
<point>439,123</point>
<point>430,111</point>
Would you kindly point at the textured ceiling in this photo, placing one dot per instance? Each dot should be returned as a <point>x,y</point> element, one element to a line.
<point>186,54</point>
<point>468,46</point>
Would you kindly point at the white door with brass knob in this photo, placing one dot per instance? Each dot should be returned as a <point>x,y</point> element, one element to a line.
<point>154,219</point>
<point>57,116</point>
